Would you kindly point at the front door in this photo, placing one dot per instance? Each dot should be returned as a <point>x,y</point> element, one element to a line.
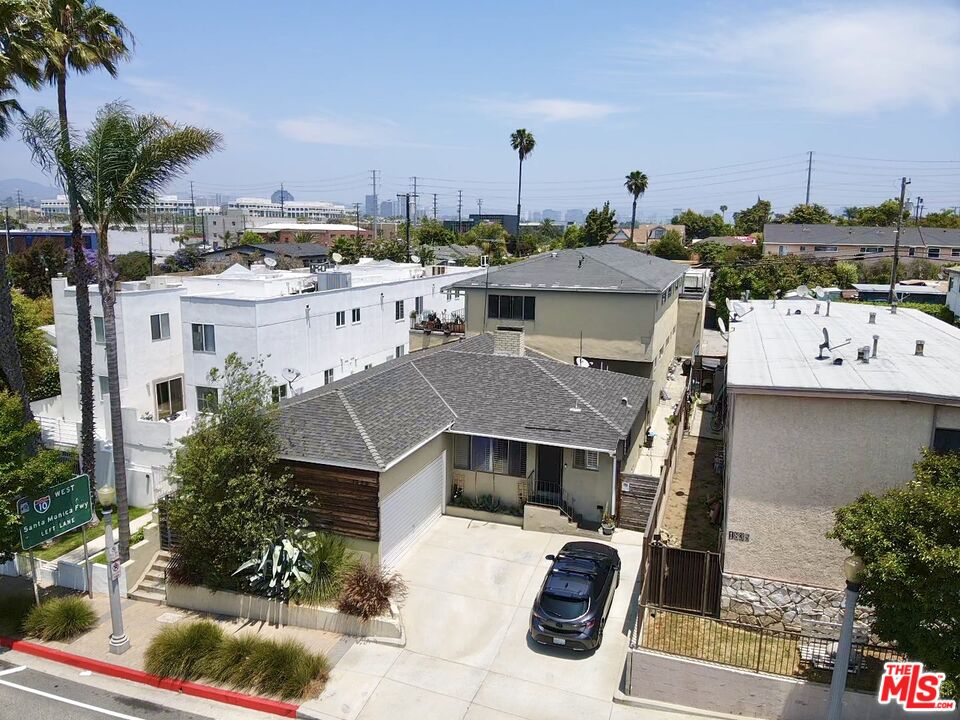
<point>549,474</point>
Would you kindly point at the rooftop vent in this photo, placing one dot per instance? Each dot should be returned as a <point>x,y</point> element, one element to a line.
<point>816,309</point>
<point>919,348</point>
<point>876,339</point>
<point>863,354</point>
<point>509,341</point>
<point>828,307</point>
<point>873,319</point>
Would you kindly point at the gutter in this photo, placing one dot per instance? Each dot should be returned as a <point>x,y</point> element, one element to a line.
<point>849,394</point>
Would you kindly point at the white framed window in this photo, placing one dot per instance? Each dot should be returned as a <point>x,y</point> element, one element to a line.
<point>208,398</point>
<point>99,331</point>
<point>278,392</point>
<point>204,338</point>
<point>398,310</point>
<point>169,396</point>
<point>399,351</point>
<point>341,318</point>
<point>824,248</point>
<point>160,326</point>
<point>104,382</point>
<point>355,316</point>
<point>368,366</point>
<point>586,459</point>
<point>328,376</point>
<point>418,304</point>
<point>933,252</point>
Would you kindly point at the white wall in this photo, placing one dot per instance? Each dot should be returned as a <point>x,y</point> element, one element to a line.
<point>953,291</point>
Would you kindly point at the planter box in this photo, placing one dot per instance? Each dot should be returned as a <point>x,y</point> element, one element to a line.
<point>387,628</point>
<point>483,516</point>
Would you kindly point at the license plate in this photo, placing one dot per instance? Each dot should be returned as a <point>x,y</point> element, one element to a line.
<point>559,641</point>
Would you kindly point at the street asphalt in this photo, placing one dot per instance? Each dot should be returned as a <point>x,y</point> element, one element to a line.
<point>30,694</point>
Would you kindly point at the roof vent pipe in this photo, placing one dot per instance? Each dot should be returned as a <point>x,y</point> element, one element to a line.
<point>919,349</point>
<point>873,319</point>
<point>876,339</point>
<point>816,309</point>
<point>828,307</point>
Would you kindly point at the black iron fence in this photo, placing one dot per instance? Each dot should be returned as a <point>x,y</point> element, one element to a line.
<point>681,579</point>
<point>168,538</point>
<point>778,652</point>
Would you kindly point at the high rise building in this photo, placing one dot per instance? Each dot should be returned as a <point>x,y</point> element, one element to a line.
<point>575,215</point>
<point>388,208</point>
<point>551,215</point>
<point>370,205</point>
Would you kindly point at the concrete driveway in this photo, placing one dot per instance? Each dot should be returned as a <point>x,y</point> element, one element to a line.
<point>468,655</point>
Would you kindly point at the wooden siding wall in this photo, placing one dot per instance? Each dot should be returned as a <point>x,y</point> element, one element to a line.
<point>341,500</point>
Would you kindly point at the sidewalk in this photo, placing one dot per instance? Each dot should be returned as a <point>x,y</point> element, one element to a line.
<point>96,545</point>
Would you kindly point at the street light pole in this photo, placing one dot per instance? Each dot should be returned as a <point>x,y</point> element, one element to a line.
<point>119,642</point>
<point>852,570</point>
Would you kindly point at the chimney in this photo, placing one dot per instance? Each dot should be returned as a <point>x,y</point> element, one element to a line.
<point>873,319</point>
<point>509,341</point>
<point>876,339</point>
<point>919,348</point>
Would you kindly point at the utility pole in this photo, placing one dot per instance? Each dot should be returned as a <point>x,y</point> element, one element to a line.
<point>281,201</point>
<point>193,208</point>
<point>415,196</point>
<point>809,173</point>
<point>459,213</point>
<point>376,209</point>
<point>406,198</point>
<point>919,214</point>
<point>150,238</point>
<point>357,207</point>
<point>479,211</point>
<point>896,243</point>
<point>434,206</point>
<point>19,208</point>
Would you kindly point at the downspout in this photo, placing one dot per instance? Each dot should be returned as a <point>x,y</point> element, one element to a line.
<point>613,486</point>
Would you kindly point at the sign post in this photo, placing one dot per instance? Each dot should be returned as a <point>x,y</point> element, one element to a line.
<point>86,561</point>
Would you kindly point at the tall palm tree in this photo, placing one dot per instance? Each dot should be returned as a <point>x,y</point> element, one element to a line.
<point>523,142</point>
<point>723,212</point>
<point>78,36</point>
<point>119,164</point>
<point>636,185</point>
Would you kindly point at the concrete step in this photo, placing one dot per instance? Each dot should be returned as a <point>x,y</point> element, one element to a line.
<point>163,555</point>
<point>147,582</point>
<point>144,595</point>
<point>155,575</point>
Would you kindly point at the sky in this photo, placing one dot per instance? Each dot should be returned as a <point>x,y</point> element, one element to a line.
<point>718,102</point>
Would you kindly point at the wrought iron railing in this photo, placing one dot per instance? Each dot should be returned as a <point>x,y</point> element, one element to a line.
<point>550,493</point>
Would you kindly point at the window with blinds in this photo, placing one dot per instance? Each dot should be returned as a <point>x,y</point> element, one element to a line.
<point>586,459</point>
<point>484,454</point>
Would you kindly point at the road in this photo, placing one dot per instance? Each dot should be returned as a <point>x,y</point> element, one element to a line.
<point>26,693</point>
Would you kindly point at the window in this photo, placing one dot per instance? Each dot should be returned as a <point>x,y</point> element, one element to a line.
<point>398,310</point>
<point>341,318</point>
<point>368,366</point>
<point>945,440</point>
<point>160,326</point>
<point>484,454</point>
<point>328,376</point>
<point>911,252</point>
<point>278,392</point>
<point>418,304</point>
<point>461,452</point>
<point>480,458</point>
<point>104,385</point>
<point>99,333</point>
<point>510,458</point>
<point>871,250</point>
<point>399,351</point>
<point>204,338</point>
<point>824,248</point>
<point>955,252</point>
<point>933,252</point>
<point>586,459</point>
<point>169,398</point>
<point>208,398</point>
<point>355,316</point>
<point>512,307</point>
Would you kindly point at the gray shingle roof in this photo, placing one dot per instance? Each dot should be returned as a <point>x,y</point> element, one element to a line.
<point>607,268</point>
<point>859,235</point>
<point>375,417</point>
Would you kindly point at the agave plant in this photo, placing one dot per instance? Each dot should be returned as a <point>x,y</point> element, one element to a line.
<point>280,566</point>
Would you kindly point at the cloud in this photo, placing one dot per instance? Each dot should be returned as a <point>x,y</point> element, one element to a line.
<point>327,130</point>
<point>179,106</point>
<point>846,60</point>
<point>547,109</point>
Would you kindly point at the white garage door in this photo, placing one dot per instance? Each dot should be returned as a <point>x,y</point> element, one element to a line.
<point>409,510</point>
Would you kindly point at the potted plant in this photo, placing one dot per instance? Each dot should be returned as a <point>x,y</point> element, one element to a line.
<point>607,523</point>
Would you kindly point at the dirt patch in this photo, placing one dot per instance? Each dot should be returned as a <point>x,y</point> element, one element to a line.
<point>694,487</point>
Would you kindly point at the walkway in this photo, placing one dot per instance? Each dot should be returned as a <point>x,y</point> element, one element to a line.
<point>96,545</point>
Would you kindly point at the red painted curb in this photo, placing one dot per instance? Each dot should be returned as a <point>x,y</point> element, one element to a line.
<point>207,692</point>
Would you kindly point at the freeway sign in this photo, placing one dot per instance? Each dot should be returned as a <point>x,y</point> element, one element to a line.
<point>66,507</point>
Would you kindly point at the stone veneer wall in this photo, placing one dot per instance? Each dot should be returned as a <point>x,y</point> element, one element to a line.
<point>785,606</point>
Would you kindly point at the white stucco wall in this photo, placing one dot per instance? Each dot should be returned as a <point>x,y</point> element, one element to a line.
<point>791,461</point>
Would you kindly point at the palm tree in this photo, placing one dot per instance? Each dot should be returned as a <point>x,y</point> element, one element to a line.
<point>78,36</point>
<point>121,162</point>
<point>723,212</point>
<point>303,237</point>
<point>523,142</point>
<point>636,185</point>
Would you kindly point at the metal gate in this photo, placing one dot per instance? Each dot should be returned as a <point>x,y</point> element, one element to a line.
<point>168,539</point>
<point>681,579</point>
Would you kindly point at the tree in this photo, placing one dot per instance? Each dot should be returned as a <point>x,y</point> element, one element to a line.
<point>883,215</point>
<point>921,269</point>
<point>78,36</point>
<point>231,491</point>
<point>249,237</point>
<point>486,231</point>
<point>26,469</point>
<point>19,59</point>
<point>847,274</point>
<point>947,218</point>
<point>636,185</point>
<point>186,259</point>
<point>752,220</point>
<point>34,268</point>
<point>426,253</point>
<point>303,237</point>
<point>670,246</point>
<point>700,226</point>
<point>723,213</point>
<point>121,163</point>
<point>432,232</point>
<point>389,249</point>
<point>523,142</point>
<point>352,248</point>
<point>572,237</point>
<point>909,539</point>
<point>40,371</point>
<point>133,265</point>
<point>598,226</point>
<point>813,214</point>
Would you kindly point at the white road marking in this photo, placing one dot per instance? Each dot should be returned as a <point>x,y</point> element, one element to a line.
<point>13,670</point>
<point>68,701</point>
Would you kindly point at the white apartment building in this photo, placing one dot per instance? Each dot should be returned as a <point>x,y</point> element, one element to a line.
<point>164,205</point>
<point>263,207</point>
<point>308,329</point>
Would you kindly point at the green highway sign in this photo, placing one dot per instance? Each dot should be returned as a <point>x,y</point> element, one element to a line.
<point>65,507</point>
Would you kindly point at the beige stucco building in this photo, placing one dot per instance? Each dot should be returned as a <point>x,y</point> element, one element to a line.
<point>806,435</point>
<point>856,243</point>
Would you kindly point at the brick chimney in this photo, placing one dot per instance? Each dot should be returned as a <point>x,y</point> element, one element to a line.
<point>509,341</point>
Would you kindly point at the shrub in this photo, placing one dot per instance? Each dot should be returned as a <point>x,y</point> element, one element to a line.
<point>180,651</point>
<point>368,589</point>
<point>60,618</point>
<point>285,669</point>
<point>227,663</point>
<point>330,560</point>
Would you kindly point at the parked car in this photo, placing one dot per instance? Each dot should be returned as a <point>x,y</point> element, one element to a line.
<point>575,597</point>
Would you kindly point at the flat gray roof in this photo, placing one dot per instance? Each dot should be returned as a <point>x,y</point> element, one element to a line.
<point>770,351</point>
<point>906,289</point>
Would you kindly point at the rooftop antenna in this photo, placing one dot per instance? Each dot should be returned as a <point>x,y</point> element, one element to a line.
<point>270,262</point>
<point>825,345</point>
<point>723,329</point>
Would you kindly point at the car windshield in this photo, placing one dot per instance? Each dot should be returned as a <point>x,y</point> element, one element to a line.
<point>563,608</point>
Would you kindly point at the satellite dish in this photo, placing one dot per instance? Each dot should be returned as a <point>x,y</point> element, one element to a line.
<point>803,291</point>
<point>337,258</point>
<point>415,258</point>
<point>269,262</point>
<point>583,362</point>
<point>290,374</point>
<point>723,326</point>
<point>820,293</point>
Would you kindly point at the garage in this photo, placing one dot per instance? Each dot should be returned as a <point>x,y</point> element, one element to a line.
<point>410,510</point>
